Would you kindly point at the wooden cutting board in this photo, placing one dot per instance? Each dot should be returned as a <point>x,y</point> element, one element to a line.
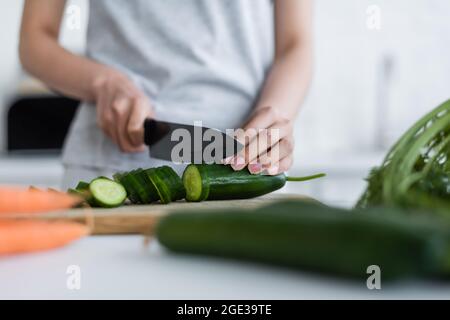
<point>143,218</point>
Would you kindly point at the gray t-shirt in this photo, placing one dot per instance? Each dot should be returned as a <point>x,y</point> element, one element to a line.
<point>197,60</point>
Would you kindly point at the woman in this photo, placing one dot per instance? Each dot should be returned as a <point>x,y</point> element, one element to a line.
<point>227,63</point>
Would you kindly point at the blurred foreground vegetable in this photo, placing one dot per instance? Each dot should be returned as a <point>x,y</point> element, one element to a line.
<point>19,236</point>
<point>416,171</point>
<point>16,200</point>
<point>30,235</point>
<point>315,237</point>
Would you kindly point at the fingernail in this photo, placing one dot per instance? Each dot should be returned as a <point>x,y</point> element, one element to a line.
<point>273,170</point>
<point>227,160</point>
<point>255,168</point>
<point>238,164</point>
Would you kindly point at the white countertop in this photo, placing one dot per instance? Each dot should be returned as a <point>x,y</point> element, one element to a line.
<point>40,171</point>
<point>122,268</point>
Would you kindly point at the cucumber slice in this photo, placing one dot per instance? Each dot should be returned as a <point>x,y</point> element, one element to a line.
<point>82,190</point>
<point>129,184</point>
<point>150,190</point>
<point>174,182</point>
<point>160,183</point>
<point>118,176</point>
<point>82,185</point>
<point>107,193</point>
<point>167,184</point>
<point>145,188</point>
<point>195,184</point>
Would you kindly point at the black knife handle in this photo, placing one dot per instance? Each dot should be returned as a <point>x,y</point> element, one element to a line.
<point>154,131</point>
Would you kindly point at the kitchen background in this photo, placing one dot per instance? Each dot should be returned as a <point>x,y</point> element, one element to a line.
<point>371,83</point>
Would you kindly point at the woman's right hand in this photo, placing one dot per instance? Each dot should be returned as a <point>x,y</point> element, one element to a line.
<point>121,110</point>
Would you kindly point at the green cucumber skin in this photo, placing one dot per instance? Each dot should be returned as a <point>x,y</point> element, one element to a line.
<point>82,186</point>
<point>223,183</point>
<point>129,183</point>
<point>82,190</point>
<point>176,184</point>
<point>158,181</point>
<point>152,194</point>
<point>308,236</point>
<point>146,189</point>
<point>139,186</point>
<point>167,183</point>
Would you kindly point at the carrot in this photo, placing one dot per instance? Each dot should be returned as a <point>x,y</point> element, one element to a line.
<point>20,236</point>
<point>15,200</point>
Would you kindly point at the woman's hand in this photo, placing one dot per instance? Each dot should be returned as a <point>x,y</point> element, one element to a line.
<point>285,87</point>
<point>121,110</point>
<point>121,107</point>
<point>269,143</point>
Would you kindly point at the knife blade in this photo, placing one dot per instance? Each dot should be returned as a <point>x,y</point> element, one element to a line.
<point>182,143</point>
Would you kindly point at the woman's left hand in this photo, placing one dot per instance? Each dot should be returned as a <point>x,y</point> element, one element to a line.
<point>269,143</point>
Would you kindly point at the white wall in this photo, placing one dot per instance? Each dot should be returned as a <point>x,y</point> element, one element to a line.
<point>355,110</point>
<point>340,114</point>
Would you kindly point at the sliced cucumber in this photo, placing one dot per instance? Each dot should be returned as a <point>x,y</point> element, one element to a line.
<point>82,190</point>
<point>107,193</point>
<point>152,193</point>
<point>160,185</point>
<point>82,185</point>
<point>146,189</point>
<point>175,183</point>
<point>195,184</point>
<point>147,186</point>
<point>130,184</point>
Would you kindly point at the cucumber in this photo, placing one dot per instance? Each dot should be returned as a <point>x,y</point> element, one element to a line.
<point>167,184</point>
<point>219,182</point>
<point>313,237</point>
<point>175,183</point>
<point>138,186</point>
<point>82,185</point>
<point>149,189</point>
<point>107,193</point>
<point>145,189</point>
<point>82,190</point>
<point>130,186</point>
<point>147,186</point>
<point>160,185</point>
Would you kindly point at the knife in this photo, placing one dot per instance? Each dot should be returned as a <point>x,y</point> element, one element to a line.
<point>181,143</point>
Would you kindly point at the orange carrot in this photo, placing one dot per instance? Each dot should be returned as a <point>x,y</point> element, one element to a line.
<point>15,200</point>
<point>20,236</point>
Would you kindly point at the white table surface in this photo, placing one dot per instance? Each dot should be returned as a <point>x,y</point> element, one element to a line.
<point>122,268</point>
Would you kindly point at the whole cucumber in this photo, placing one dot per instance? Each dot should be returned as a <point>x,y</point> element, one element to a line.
<point>311,236</point>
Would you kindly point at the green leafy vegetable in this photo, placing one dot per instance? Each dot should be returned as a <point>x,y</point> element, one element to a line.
<point>416,171</point>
